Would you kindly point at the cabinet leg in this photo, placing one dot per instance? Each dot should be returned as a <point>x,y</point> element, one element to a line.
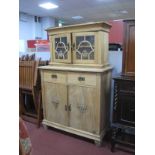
<point>112,146</point>
<point>98,143</point>
<point>45,126</point>
<point>39,110</point>
<point>114,133</point>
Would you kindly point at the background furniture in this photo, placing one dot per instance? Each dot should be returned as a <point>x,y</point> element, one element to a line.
<point>123,123</point>
<point>128,66</point>
<point>30,88</point>
<point>76,84</point>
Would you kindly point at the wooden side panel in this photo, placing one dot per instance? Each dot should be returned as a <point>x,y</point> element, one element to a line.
<point>55,99</point>
<point>84,109</point>
<point>51,49</point>
<point>103,43</point>
<point>105,100</point>
<point>129,48</point>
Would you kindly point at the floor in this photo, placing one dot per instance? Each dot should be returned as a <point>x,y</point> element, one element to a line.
<point>55,142</point>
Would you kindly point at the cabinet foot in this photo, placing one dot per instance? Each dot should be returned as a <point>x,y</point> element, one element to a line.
<point>98,143</point>
<point>45,126</point>
<point>112,146</point>
<point>113,138</point>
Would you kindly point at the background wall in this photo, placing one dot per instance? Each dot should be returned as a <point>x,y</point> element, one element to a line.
<point>30,29</point>
<point>46,22</point>
<point>26,27</point>
<point>116,32</point>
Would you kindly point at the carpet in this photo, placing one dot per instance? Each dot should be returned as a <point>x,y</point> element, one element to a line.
<point>56,142</point>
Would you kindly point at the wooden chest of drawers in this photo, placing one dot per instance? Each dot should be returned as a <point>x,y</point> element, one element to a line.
<point>72,101</point>
<point>76,84</point>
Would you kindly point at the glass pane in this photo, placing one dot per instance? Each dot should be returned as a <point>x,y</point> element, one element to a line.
<point>90,39</point>
<point>61,48</point>
<point>92,56</point>
<point>78,55</point>
<point>78,40</point>
<point>56,41</point>
<point>64,40</point>
<point>85,47</point>
<point>56,56</point>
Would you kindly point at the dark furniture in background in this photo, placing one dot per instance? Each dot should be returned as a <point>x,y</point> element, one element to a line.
<point>128,68</point>
<point>123,119</point>
<point>115,47</point>
<point>123,127</point>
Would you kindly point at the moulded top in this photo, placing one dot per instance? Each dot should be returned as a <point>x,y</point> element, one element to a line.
<point>84,26</point>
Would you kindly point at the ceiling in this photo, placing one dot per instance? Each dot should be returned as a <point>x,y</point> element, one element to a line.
<point>91,10</point>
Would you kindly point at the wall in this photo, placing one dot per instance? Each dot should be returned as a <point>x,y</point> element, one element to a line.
<point>26,27</point>
<point>30,30</point>
<point>46,22</point>
<point>116,32</point>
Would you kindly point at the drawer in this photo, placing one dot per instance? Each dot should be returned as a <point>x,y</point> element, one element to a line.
<point>82,79</point>
<point>126,86</point>
<point>55,77</point>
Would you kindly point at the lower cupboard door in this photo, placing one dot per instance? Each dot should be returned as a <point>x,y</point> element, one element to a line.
<point>83,113</point>
<point>55,102</point>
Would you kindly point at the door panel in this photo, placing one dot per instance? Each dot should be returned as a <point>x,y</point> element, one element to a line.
<point>84,47</point>
<point>62,48</point>
<point>83,111</point>
<point>55,101</point>
<point>127,108</point>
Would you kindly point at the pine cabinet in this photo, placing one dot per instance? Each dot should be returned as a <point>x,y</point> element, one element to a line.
<point>81,44</point>
<point>76,84</point>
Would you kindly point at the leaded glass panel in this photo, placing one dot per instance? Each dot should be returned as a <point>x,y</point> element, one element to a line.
<point>61,49</point>
<point>85,47</point>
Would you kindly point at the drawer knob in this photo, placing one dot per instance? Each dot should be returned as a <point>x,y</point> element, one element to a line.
<point>81,78</point>
<point>69,107</point>
<point>54,76</point>
<point>66,107</point>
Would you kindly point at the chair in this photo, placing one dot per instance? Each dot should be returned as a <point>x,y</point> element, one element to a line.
<point>29,84</point>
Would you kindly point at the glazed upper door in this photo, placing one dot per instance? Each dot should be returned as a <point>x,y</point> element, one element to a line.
<point>82,108</point>
<point>84,47</point>
<point>61,51</point>
<point>55,101</point>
